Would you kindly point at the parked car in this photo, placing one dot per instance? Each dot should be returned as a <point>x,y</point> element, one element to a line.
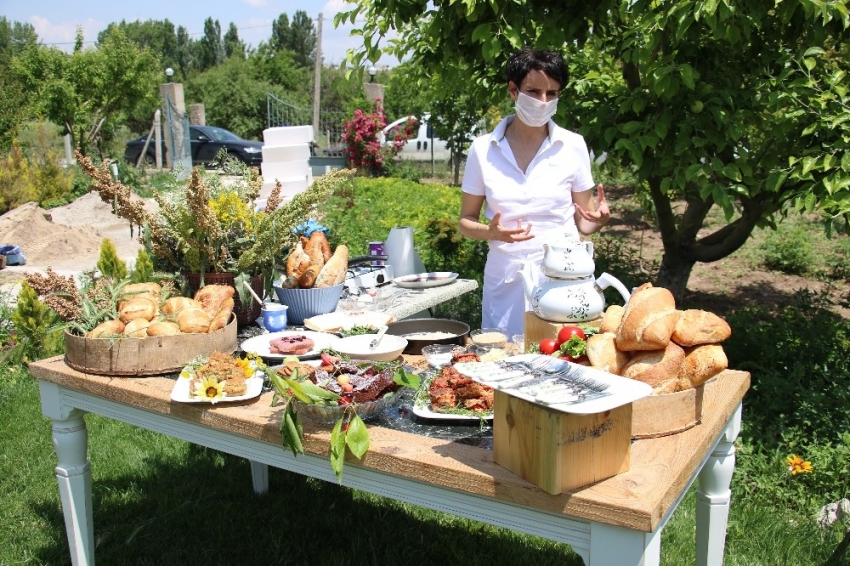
<point>206,142</point>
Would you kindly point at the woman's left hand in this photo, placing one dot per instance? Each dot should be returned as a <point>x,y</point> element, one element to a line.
<point>602,213</point>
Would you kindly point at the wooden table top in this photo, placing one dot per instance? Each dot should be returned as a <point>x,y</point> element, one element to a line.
<point>638,499</point>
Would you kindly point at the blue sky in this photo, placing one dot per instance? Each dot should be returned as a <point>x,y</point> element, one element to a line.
<point>56,21</point>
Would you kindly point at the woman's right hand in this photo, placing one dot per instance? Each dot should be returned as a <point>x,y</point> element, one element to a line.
<point>503,234</point>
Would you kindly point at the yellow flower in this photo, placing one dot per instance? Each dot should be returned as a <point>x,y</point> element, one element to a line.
<point>210,390</point>
<point>246,365</point>
<point>797,465</point>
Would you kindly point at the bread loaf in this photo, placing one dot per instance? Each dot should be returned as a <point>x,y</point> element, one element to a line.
<point>308,278</point>
<point>648,320</point>
<point>137,308</point>
<point>194,321</point>
<point>298,261</point>
<point>174,305</point>
<point>213,297</point>
<point>697,327</point>
<point>665,387</point>
<point>701,363</point>
<point>137,328</point>
<point>107,329</point>
<point>653,367</point>
<point>163,328</point>
<point>603,353</point>
<point>220,320</point>
<point>333,272</point>
<point>611,319</point>
<point>318,248</point>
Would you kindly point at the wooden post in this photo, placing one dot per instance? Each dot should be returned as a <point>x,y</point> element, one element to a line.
<point>157,137</point>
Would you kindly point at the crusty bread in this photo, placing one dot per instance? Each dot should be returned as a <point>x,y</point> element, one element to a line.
<point>308,278</point>
<point>653,367</point>
<point>107,329</point>
<point>194,321</point>
<point>138,307</point>
<point>318,248</point>
<point>666,386</point>
<point>163,328</point>
<point>220,320</point>
<point>611,319</point>
<point>333,272</point>
<point>697,327</point>
<point>701,363</point>
<point>174,305</point>
<point>213,297</point>
<point>648,320</point>
<point>137,328</point>
<point>298,261</point>
<point>603,353</point>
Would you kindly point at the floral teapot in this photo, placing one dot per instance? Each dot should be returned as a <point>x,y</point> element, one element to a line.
<point>572,294</point>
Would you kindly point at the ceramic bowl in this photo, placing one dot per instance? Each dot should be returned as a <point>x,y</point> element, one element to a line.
<point>304,303</point>
<point>357,347</point>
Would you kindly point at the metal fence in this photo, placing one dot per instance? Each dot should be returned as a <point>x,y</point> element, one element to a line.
<point>282,113</point>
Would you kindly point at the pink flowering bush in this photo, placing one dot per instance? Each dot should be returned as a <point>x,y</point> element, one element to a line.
<point>362,137</point>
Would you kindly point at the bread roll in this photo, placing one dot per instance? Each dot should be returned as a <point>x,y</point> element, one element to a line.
<point>163,328</point>
<point>220,320</point>
<point>611,319</point>
<point>665,387</point>
<point>289,282</point>
<point>298,261</point>
<point>194,321</point>
<point>308,278</point>
<point>174,305</point>
<point>603,353</point>
<point>648,320</point>
<point>107,329</point>
<point>137,308</point>
<point>333,272</point>
<point>213,297</point>
<point>137,328</point>
<point>653,367</point>
<point>697,327</point>
<point>701,363</point>
<point>318,248</point>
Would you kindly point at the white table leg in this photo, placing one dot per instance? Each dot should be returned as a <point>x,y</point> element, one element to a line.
<point>260,477</point>
<point>70,440</point>
<point>714,495</point>
<point>624,547</point>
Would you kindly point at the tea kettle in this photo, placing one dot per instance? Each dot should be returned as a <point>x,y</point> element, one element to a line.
<point>571,294</point>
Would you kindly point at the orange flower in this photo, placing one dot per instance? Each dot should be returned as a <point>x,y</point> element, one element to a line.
<point>797,465</point>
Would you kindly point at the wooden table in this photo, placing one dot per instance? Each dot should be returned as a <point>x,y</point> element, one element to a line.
<point>615,521</point>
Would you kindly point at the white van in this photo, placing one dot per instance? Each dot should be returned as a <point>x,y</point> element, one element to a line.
<point>418,147</point>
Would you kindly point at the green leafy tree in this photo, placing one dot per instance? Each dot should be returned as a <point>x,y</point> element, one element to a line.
<point>15,38</point>
<point>233,46</point>
<point>711,103</point>
<point>186,56</point>
<point>299,37</point>
<point>157,36</point>
<point>210,49</point>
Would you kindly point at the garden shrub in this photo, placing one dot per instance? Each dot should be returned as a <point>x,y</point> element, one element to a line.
<point>109,264</point>
<point>35,331</point>
<point>789,251</point>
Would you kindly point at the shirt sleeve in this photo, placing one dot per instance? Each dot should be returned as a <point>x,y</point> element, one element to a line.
<point>584,177</point>
<point>473,178</point>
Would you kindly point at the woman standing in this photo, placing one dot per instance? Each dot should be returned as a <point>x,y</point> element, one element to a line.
<point>534,178</point>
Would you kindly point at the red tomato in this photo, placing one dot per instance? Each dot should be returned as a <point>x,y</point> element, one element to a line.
<point>568,332</point>
<point>548,346</point>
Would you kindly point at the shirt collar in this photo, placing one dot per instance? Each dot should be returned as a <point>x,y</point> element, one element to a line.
<point>556,134</point>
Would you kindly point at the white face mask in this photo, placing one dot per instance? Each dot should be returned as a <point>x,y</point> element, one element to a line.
<point>533,112</point>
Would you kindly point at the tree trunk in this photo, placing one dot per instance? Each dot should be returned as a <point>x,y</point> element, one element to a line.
<point>674,274</point>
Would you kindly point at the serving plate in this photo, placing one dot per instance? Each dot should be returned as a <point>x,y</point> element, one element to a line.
<point>504,375</point>
<point>260,346</point>
<point>183,394</point>
<point>422,406</point>
<point>425,280</point>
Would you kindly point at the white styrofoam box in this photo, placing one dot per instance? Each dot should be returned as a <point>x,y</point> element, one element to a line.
<point>288,187</point>
<point>278,153</point>
<point>284,170</point>
<point>288,135</point>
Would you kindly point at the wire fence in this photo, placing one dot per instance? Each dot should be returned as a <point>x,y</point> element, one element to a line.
<point>282,113</point>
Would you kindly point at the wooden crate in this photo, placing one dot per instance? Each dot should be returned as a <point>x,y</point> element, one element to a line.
<point>662,415</point>
<point>560,451</point>
<point>139,357</point>
<point>537,329</point>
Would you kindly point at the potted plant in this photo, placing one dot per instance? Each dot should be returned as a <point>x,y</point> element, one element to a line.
<point>212,232</point>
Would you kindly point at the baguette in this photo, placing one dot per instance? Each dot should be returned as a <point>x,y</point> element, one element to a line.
<point>656,366</point>
<point>611,319</point>
<point>308,278</point>
<point>648,320</point>
<point>701,363</point>
<point>603,353</point>
<point>697,327</point>
<point>318,248</point>
<point>333,272</point>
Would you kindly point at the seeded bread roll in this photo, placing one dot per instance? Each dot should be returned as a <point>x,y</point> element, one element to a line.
<point>603,353</point>
<point>697,327</point>
<point>333,273</point>
<point>611,319</point>
<point>653,367</point>
<point>701,363</point>
<point>137,308</point>
<point>648,320</point>
<point>107,329</point>
<point>194,321</point>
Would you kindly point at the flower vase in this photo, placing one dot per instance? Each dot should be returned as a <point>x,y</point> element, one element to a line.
<point>245,314</point>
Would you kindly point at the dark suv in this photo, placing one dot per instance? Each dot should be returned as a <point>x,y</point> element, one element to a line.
<point>206,142</point>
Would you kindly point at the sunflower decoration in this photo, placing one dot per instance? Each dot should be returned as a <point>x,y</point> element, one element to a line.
<point>220,375</point>
<point>209,390</point>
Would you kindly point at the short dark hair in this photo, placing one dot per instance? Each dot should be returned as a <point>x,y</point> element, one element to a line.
<point>545,60</point>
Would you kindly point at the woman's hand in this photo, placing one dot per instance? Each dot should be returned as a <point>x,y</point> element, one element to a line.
<point>599,217</point>
<point>498,232</point>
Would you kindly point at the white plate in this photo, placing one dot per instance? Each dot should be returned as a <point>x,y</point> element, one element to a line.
<point>620,390</point>
<point>427,413</point>
<point>260,344</point>
<point>182,394</point>
<point>423,280</point>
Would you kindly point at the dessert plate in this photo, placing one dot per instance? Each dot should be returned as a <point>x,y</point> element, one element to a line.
<point>261,345</point>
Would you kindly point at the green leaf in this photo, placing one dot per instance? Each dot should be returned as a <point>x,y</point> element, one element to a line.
<point>731,171</point>
<point>631,127</point>
<point>317,393</point>
<point>357,438</point>
<point>291,432</point>
<point>481,32</point>
<point>338,449</point>
<point>688,75</point>
<point>405,379</point>
<point>809,63</point>
<point>808,164</point>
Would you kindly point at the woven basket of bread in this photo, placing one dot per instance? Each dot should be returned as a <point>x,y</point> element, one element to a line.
<point>155,337</point>
<point>674,351</point>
